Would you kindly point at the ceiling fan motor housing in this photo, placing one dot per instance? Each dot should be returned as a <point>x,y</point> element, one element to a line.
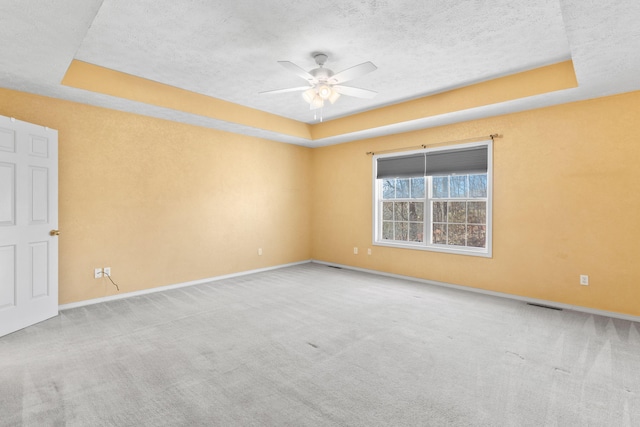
<point>321,74</point>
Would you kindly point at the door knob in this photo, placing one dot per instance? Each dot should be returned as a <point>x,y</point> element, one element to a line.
<point>54,233</point>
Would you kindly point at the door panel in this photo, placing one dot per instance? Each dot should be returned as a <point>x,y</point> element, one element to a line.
<point>7,277</point>
<point>38,190</point>
<point>28,212</point>
<point>7,194</point>
<point>39,146</point>
<point>7,140</point>
<point>39,264</point>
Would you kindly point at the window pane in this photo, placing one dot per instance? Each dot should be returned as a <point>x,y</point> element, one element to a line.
<point>458,186</point>
<point>402,188</point>
<point>388,188</point>
<point>417,188</point>
<point>477,212</point>
<point>387,230</point>
<point>439,211</point>
<point>415,231</point>
<point>440,234</point>
<point>477,185</point>
<point>401,210</point>
<point>387,211</point>
<point>416,211</point>
<point>457,234</point>
<point>440,187</point>
<point>447,210</point>
<point>457,213</point>
<point>476,236</point>
<point>401,230</point>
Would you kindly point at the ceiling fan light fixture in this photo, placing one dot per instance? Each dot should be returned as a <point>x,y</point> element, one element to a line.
<point>309,94</point>
<point>325,91</point>
<point>334,96</point>
<point>317,102</point>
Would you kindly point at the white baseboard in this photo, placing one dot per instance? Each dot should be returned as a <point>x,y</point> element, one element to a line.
<point>176,286</point>
<point>563,306</point>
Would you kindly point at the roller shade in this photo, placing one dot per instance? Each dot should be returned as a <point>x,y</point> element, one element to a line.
<point>445,162</point>
<point>466,160</point>
<point>401,166</point>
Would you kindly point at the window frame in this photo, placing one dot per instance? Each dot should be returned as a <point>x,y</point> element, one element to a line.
<point>377,199</point>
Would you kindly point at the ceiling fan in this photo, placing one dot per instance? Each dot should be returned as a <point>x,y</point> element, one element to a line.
<point>324,85</point>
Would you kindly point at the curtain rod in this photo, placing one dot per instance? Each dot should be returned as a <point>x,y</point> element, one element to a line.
<point>492,136</point>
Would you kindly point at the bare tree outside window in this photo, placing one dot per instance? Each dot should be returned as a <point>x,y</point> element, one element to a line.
<point>439,199</point>
<point>457,214</point>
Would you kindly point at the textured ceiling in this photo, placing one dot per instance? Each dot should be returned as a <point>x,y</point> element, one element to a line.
<point>229,50</point>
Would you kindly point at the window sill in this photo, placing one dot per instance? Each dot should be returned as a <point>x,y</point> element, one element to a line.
<point>481,252</point>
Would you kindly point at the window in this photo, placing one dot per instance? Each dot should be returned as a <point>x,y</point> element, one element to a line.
<point>437,199</point>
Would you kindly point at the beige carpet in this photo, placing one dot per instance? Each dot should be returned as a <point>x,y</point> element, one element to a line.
<point>311,345</point>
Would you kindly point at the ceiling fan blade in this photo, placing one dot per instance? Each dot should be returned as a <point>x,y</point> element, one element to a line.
<point>298,71</point>
<point>291,89</point>
<point>355,92</point>
<point>353,72</point>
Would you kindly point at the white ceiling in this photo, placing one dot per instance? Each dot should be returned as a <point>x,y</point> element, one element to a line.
<point>229,50</point>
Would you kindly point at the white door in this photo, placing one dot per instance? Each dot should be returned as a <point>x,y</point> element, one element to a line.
<point>28,224</point>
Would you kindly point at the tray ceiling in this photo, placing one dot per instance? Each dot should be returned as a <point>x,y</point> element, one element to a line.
<point>229,51</point>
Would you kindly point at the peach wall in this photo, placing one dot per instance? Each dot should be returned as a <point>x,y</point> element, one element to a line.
<point>565,204</point>
<point>164,203</point>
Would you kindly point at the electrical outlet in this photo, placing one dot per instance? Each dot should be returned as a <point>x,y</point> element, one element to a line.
<point>584,280</point>
<point>107,271</point>
<point>355,251</point>
<point>97,273</point>
<point>369,251</point>
<point>259,251</point>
